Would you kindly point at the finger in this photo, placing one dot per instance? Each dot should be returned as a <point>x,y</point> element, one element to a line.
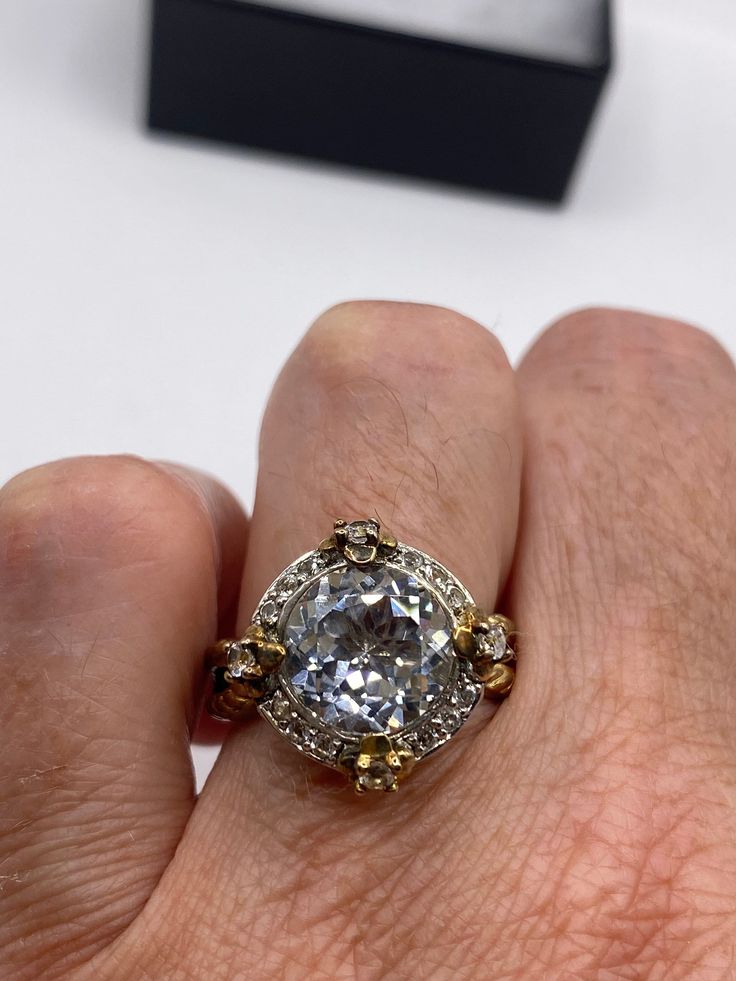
<point>400,411</point>
<point>630,430</point>
<point>110,570</point>
<point>624,587</point>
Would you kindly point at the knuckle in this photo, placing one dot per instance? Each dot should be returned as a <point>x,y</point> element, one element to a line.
<point>605,340</point>
<point>117,509</point>
<point>388,387</point>
<point>411,337</point>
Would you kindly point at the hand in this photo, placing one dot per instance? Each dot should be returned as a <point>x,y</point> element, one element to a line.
<point>589,831</point>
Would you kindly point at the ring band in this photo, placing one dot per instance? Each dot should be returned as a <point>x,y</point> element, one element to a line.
<point>366,654</point>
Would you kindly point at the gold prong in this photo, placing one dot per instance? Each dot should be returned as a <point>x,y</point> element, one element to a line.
<point>378,763</point>
<point>228,702</point>
<point>463,640</point>
<point>388,543</point>
<point>340,534</point>
<point>472,643</point>
<point>358,541</point>
<point>240,671</point>
<point>361,554</point>
<point>500,682</point>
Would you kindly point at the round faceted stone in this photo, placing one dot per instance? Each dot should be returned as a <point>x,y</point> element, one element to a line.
<point>368,649</point>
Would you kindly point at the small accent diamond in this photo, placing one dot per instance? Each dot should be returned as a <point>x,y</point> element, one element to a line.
<point>466,696</point>
<point>378,776</point>
<point>493,644</point>
<point>456,598</point>
<point>360,531</point>
<point>311,566</point>
<point>280,707</point>
<point>411,560</point>
<point>239,660</point>
<point>269,613</point>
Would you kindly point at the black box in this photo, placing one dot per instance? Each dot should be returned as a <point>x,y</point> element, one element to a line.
<point>450,99</point>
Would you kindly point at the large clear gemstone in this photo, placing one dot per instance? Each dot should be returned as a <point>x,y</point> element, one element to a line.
<point>368,650</point>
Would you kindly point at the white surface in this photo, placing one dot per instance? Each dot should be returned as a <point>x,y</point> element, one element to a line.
<point>137,274</point>
<point>567,30</point>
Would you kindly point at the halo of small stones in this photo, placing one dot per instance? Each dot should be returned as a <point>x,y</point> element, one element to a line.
<point>302,727</point>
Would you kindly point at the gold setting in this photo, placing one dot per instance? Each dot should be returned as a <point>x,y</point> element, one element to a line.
<point>245,673</point>
<point>485,641</point>
<point>379,764</point>
<point>361,542</point>
<point>241,671</point>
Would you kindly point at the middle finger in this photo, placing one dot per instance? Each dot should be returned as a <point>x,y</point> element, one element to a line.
<point>409,414</point>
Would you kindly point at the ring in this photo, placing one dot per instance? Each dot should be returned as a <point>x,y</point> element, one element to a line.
<point>366,654</point>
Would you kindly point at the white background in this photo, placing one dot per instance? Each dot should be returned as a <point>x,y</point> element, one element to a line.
<point>149,288</point>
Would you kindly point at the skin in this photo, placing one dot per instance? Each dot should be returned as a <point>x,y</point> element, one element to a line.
<point>588,831</point>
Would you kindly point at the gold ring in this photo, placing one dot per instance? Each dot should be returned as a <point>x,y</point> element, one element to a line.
<point>366,654</point>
